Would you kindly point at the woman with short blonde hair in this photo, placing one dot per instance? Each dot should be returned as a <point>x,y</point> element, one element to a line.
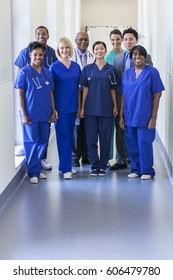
<point>66,75</point>
<point>66,41</point>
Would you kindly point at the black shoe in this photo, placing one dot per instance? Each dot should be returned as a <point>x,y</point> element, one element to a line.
<point>85,161</point>
<point>118,166</point>
<point>76,163</point>
<point>102,172</point>
<point>94,172</point>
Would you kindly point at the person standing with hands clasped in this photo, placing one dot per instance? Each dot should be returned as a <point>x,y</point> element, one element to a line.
<point>99,80</point>
<point>35,87</point>
<point>66,75</point>
<point>141,88</point>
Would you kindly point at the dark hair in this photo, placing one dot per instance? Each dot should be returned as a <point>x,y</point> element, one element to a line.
<point>36,45</point>
<point>99,42</point>
<point>115,31</point>
<point>132,31</point>
<point>141,49</point>
<point>41,26</point>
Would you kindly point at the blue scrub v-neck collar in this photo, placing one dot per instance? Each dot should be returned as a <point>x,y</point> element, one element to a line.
<point>139,74</point>
<point>66,66</point>
<point>102,67</point>
<point>33,69</point>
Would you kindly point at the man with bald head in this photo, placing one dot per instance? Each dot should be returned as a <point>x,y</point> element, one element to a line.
<point>83,57</point>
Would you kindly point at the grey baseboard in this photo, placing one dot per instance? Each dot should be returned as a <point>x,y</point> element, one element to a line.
<point>165,157</point>
<point>12,186</point>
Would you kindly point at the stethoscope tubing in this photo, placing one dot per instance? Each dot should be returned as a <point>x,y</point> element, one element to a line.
<point>36,80</point>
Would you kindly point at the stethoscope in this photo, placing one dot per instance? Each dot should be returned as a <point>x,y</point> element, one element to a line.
<point>113,78</point>
<point>36,80</point>
<point>49,58</point>
<point>111,75</point>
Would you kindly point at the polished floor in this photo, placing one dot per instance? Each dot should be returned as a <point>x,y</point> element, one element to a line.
<point>89,218</point>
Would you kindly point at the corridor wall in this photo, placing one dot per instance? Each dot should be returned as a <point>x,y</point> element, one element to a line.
<point>19,20</point>
<point>156,22</point>
<point>6,99</point>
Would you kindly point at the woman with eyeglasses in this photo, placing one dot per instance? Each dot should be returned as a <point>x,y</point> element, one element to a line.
<point>34,84</point>
<point>99,80</point>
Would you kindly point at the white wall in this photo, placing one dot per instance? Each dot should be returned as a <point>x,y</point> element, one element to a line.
<point>109,13</point>
<point>7,169</point>
<point>156,23</point>
<point>98,18</point>
<point>50,13</point>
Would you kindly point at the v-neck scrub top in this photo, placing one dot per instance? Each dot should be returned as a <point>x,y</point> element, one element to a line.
<point>66,82</point>
<point>38,104</point>
<point>138,95</point>
<point>99,100</point>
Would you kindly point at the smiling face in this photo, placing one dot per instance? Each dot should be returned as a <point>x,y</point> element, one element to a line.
<point>129,41</point>
<point>82,41</point>
<point>138,58</point>
<point>99,51</point>
<point>41,35</point>
<point>36,56</point>
<point>116,41</point>
<point>64,50</point>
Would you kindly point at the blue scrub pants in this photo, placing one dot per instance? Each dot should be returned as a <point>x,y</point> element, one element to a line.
<point>64,128</point>
<point>140,150</point>
<point>98,128</point>
<point>35,140</point>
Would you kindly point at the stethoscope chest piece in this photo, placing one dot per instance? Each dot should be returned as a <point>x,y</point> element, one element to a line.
<point>36,80</point>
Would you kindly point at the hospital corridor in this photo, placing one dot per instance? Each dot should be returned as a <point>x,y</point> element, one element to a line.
<point>109,217</point>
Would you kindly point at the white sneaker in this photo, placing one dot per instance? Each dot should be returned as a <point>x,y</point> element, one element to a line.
<point>45,164</point>
<point>42,176</point>
<point>73,171</point>
<point>146,177</point>
<point>67,175</point>
<point>33,180</point>
<point>133,175</point>
<point>20,151</point>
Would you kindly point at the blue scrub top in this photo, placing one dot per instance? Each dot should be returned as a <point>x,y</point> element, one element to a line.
<point>23,58</point>
<point>66,83</point>
<point>138,95</point>
<point>37,101</point>
<point>99,83</point>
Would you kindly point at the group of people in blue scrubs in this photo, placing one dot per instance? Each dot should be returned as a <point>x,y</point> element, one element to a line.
<point>54,95</point>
